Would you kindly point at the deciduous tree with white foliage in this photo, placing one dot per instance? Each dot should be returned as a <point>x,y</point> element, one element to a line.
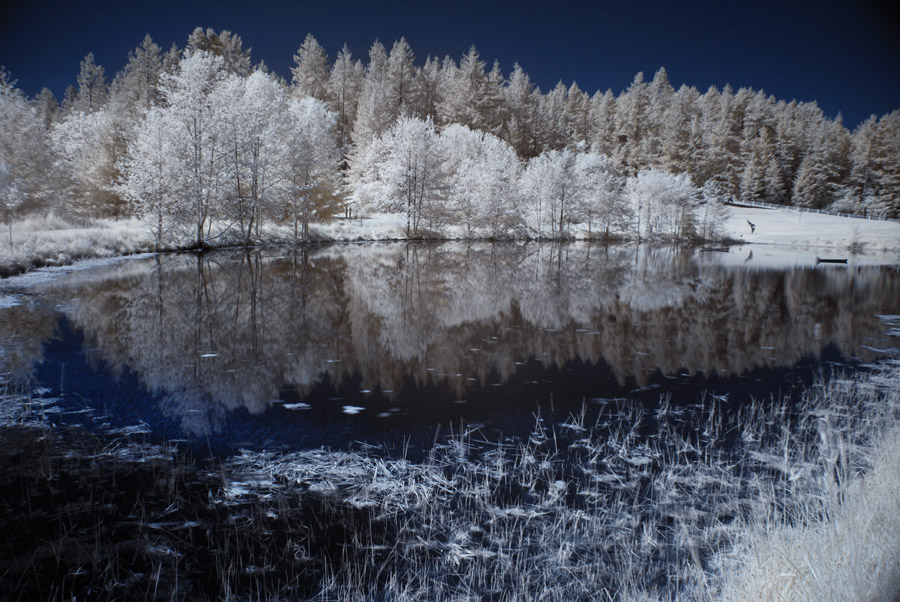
<point>308,172</point>
<point>482,177</point>
<point>413,172</point>
<point>663,203</point>
<point>151,178</point>
<point>197,149</point>
<point>251,110</point>
<point>24,157</point>
<point>547,193</point>
<point>598,194</point>
<point>86,146</point>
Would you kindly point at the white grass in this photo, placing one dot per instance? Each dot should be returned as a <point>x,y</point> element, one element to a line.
<point>51,241</point>
<point>805,507</point>
<point>838,541</point>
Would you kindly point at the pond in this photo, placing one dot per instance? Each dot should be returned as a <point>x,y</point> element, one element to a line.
<point>392,344</point>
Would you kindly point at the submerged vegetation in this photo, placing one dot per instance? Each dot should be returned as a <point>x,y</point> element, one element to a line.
<point>792,499</point>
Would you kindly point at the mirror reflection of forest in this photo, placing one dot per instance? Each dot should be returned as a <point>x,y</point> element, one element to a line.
<point>234,329</point>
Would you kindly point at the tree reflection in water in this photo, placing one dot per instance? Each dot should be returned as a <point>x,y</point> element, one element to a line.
<point>209,334</point>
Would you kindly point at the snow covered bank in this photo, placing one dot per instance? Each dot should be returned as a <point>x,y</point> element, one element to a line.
<point>789,226</point>
<point>789,236</point>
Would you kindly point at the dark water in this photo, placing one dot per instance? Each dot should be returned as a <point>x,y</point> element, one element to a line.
<point>396,343</point>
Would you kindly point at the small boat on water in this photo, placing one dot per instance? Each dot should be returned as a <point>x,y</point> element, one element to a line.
<point>828,260</point>
<point>717,249</point>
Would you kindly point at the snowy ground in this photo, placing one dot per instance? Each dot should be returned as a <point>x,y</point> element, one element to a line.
<point>832,234</point>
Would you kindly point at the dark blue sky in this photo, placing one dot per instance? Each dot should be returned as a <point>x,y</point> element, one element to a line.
<point>844,55</point>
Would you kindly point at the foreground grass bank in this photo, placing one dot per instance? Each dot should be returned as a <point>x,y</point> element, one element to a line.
<point>780,500</point>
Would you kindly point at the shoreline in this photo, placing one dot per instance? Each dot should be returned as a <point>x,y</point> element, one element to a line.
<point>64,244</point>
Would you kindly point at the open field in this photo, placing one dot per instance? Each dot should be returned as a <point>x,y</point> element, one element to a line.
<point>813,231</point>
<point>778,500</point>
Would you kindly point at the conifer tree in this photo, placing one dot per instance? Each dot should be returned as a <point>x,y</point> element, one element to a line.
<point>603,135</point>
<point>91,86</point>
<point>521,105</point>
<point>224,44</point>
<point>373,114</point>
<point>47,107</point>
<point>310,70</point>
<point>137,85</point>
<point>344,87</point>
<point>631,124</point>
<point>401,79</point>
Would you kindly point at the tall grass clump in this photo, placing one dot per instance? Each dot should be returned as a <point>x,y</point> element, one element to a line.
<point>788,498</point>
<point>832,532</point>
<point>52,241</point>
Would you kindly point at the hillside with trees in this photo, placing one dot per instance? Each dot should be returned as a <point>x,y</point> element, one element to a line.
<point>206,146</point>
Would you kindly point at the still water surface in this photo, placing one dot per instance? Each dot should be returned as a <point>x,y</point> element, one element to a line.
<point>296,348</point>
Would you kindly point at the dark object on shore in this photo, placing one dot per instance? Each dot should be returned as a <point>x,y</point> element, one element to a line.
<point>826,260</point>
<point>752,226</point>
<point>717,249</point>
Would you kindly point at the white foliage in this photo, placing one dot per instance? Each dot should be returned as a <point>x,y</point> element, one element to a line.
<point>310,158</point>
<point>483,174</point>
<point>547,192</point>
<point>412,172</point>
<point>18,149</point>
<point>663,203</point>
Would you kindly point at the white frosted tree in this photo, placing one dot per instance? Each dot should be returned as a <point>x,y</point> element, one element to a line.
<point>195,119</point>
<point>482,173</point>
<point>373,113</point>
<point>47,108</point>
<point>758,153</point>
<point>91,86</point>
<point>226,45</point>
<point>664,204</point>
<point>547,194</point>
<point>401,78</point>
<point>86,145</point>
<point>825,165</point>
<point>599,198</point>
<point>463,92</point>
<point>660,97</point>
<point>578,123</point>
<point>521,104</point>
<point>632,123</point>
<point>680,135</point>
<point>884,166</point>
<point>344,87</point>
<point>413,172</point>
<point>711,213</point>
<point>720,159</point>
<point>428,79</point>
<point>602,133</point>
<point>310,70</point>
<point>24,157</point>
<point>552,119</point>
<point>308,170</point>
<point>151,178</point>
<point>137,85</point>
<point>250,110</point>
